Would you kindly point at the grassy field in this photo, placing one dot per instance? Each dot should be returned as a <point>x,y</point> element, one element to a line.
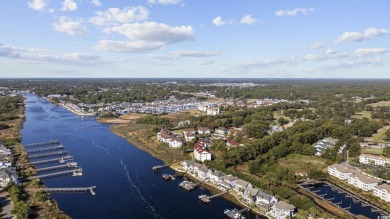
<point>380,136</point>
<point>381,103</point>
<point>362,114</point>
<point>375,151</point>
<point>302,163</point>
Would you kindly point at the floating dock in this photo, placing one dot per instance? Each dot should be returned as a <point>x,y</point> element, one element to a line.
<point>60,147</point>
<point>59,153</point>
<point>207,199</point>
<point>77,172</point>
<point>42,143</point>
<point>189,186</point>
<point>68,165</point>
<point>66,158</point>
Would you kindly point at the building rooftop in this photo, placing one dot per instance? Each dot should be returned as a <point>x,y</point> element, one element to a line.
<point>384,186</point>
<point>341,168</point>
<point>284,206</point>
<point>365,179</point>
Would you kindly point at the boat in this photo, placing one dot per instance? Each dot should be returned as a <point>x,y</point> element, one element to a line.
<point>227,211</point>
<point>166,177</point>
<point>201,196</point>
<point>72,164</point>
<point>78,172</point>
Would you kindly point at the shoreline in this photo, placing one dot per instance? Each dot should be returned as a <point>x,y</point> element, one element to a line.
<point>69,108</point>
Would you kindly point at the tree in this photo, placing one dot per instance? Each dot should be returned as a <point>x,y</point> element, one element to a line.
<point>386,151</point>
<point>354,149</point>
<point>387,133</point>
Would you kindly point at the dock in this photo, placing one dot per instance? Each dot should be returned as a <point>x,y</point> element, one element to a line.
<point>76,172</point>
<point>189,186</point>
<point>168,177</point>
<point>66,158</point>
<point>207,199</point>
<point>47,154</point>
<point>45,149</point>
<point>90,189</point>
<point>238,214</point>
<point>56,167</point>
<point>157,168</point>
<point>42,143</point>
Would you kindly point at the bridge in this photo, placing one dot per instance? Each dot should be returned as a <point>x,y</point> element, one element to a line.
<point>47,154</point>
<point>90,189</point>
<point>45,149</point>
<point>76,172</point>
<point>42,143</point>
<point>66,158</point>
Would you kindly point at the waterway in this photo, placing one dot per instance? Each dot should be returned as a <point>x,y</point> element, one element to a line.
<point>126,185</point>
<point>343,200</point>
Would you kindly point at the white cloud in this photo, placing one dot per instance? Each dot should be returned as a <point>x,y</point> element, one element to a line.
<point>219,22</point>
<point>183,53</point>
<point>294,12</point>
<point>69,26</point>
<point>116,15</point>
<point>248,19</point>
<point>164,2</point>
<point>155,32</point>
<point>97,3</point>
<point>127,46</point>
<point>316,45</point>
<point>312,57</point>
<point>367,34</point>
<point>69,5</point>
<point>206,62</point>
<point>40,55</point>
<point>370,51</point>
<point>330,52</point>
<point>38,5</point>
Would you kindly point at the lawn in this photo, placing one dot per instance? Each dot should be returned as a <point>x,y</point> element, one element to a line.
<point>381,103</point>
<point>375,151</point>
<point>380,136</point>
<point>362,114</point>
<point>302,163</point>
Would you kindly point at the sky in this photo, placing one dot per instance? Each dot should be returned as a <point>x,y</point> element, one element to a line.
<point>195,39</point>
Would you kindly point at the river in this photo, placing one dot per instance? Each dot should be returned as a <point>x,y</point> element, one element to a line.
<point>126,185</point>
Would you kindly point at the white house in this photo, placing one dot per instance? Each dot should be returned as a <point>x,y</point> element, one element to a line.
<point>340,171</point>
<point>221,131</point>
<point>5,165</point>
<point>203,172</point>
<point>374,159</point>
<point>214,176</point>
<point>200,152</point>
<point>204,130</point>
<point>265,198</point>
<point>240,185</point>
<point>323,144</point>
<point>249,194</point>
<point>383,192</point>
<point>362,181</point>
<point>227,181</point>
<point>189,136</point>
<point>282,209</point>
<point>5,178</point>
<point>175,143</point>
<point>212,111</point>
<point>4,150</point>
<point>188,165</point>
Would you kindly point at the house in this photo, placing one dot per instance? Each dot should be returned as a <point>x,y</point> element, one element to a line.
<point>265,201</point>
<point>175,143</point>
<point>204,130</point>
<point>232,143</point>
<point>240,185</point>
<point>5,165</point>
<point>212,111</point>
<point>323,144</point>
<point>221,131</point>
<point>6,178</point>
<point>189,136</point>
<point>188,165</point>
<point>203,172</point>
<point>234,131</point>
<point>383,192</point>
<point>201,153</point>
<point>340,171</point>
<point>374,159</point>
<point>227,181</point>
<point>249,194</point>
<point>4,150</point>
<point>214,176</point>
<point>189,130</point>
<point>362,181</point>
<point>282,209</point>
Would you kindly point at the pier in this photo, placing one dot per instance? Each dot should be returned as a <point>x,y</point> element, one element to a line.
<point>77,172</point>
<point>157,168</point>
<point>90,189</point>
<point>189,186</point>
<point>207,199</point>
<point>56,167</point>
<point>237,214</point>
<point>168,177</point>
<point>42,143</point>
<point>47,154</point>
<point>66,158</point>
<point>45,149</point>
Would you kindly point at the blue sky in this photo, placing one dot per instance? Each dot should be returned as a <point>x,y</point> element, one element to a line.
<point>195,38</point>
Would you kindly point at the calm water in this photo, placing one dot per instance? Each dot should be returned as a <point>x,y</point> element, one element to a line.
<point>126,185</point>
<point>346,202</point>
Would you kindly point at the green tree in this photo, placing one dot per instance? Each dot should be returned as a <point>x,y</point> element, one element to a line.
<point>386,151</point>
<point>387,133</point>
<point>354,149</point>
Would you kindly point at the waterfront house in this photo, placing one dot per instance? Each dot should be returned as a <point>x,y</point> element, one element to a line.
<point>5,165</point>
<point>249,194</point>
<point>340,171</point>
<point>201,153</point>
<point>282,209</point>
<point>240,185</point>
<point>204,130</point>
<point>383,192</point>
<point>203,172</point>
<point>265,201</point>
<point>214,176</point>
<point>4,150</point>
<point>188,165</point>
<point>362,181</point>
<point>374,159</point>
<point>227,181</point>
<point>6,178</point>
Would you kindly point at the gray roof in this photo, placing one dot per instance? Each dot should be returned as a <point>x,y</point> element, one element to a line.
<point>284,205</point>
<point>189,162</point>
<point>218,173</point>
<point>204,169</point>
<point>341,168</point>
<point>250,190</point>
<point>265,196</point>
<point>242,183</point>
<point>384,186</point>
<point>365,179</point>
<point>229,178</point>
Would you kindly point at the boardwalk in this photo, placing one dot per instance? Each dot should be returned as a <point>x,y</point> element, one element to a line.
<point>207,199</point>
<point>58,174</point>
<point>90,189</point>
<point>42,144</point>
<point>55,168</point>
<point>66,158</point>
<point>45,149</point>
<point>47,154</point>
